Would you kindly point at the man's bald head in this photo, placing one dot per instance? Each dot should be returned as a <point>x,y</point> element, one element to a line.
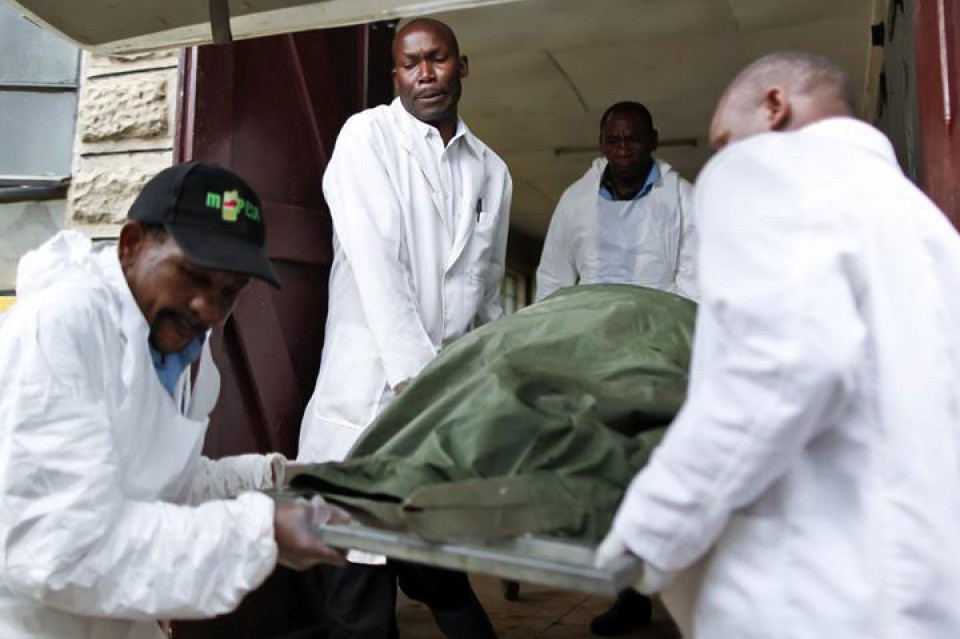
<point>436,27</point>
<point>781,92</point>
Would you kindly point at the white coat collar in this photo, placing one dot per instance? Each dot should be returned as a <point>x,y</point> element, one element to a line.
<point>71,254</point>
<point>413,126</point>
<point>133,323</point>
<point>856,133</point>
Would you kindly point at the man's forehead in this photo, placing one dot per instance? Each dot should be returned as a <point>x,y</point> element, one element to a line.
<point>221,278</point>
<point>730,118</point>
<point>218,276</point>
<point>413,34</point>
<point>718,129</point>
<point>626,119</point>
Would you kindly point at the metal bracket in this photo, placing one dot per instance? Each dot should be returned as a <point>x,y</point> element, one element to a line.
<point>32,188</point>
<point>220,21</point>
<point>896,9</point>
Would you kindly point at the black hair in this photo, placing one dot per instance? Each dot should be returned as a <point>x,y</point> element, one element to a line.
<point>158,232</point>
<point>632,108</point>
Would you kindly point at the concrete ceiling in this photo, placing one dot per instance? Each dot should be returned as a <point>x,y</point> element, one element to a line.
<point>112,27</point>
<point>543,71</point>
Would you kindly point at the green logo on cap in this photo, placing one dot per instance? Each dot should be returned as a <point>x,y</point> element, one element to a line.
<point>231,205</point>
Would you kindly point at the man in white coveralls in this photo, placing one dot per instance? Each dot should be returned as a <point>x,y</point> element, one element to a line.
<point>110,518</point>
<point>808,487</point>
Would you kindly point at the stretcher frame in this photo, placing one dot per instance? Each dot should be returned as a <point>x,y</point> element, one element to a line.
<point>568,565</point>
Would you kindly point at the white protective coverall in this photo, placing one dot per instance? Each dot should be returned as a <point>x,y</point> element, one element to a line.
<point>402,285</point>
<point>650,241</point>
<point>814,468</point>
<point>110,518</point>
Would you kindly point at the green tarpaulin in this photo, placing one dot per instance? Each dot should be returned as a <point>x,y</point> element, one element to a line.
<point>533,423</point>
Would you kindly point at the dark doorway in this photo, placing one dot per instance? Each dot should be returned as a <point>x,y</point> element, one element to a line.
<point>271,109</point>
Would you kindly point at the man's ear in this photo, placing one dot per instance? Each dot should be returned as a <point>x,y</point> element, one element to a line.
<point>776,105</point>
<point>654,140</point>
<point>464,66</point>
<point>131,241</point>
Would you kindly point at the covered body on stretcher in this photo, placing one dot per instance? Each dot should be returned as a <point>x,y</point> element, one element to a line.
<point>510,453</point>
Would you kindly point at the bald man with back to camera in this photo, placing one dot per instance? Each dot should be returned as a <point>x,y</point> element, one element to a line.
<point>808,488</point>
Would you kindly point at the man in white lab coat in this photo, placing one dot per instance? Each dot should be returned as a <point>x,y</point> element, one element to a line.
<point>420,213</point>
<point>808,487</point>
<point>628,220</point>
<point>110,518</point>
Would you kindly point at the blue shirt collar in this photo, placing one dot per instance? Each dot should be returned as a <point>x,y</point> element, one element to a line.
<point>652,178</point>
<point>170,366</point>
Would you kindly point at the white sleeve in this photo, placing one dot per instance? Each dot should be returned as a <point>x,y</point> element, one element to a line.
<point>227,477</point>
<point>686,277</point>
<point>777,341</point>
<point>491,307</point>
<point>557,267</point>
<point>224,478</point>
<point>368,223</point>
<point>70,538</point>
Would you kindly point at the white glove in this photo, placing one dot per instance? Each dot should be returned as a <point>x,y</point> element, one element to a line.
<point>295,524</point>
<point>292,469</point>
<point>612,551</point>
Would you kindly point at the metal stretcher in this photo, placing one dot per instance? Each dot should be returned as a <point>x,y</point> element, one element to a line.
<point>536,560</point>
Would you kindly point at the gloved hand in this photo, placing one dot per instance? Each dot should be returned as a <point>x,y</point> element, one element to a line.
<point>295,522</point>
<point>291,470</point>
<point>612,551</point>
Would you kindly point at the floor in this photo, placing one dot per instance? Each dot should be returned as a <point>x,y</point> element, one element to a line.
<point>539,613</point>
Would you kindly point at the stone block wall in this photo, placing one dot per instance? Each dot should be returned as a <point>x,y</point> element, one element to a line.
<point>126,119</point>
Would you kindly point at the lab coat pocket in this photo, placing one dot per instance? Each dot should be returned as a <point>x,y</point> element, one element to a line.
<point>479,249</point>
<point>351,384</point>
<point>482,240</point>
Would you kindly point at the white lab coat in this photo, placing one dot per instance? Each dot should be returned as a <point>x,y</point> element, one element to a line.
<point>400,287</point>
<point>651,242</point>
<point>814,468</point>
<point>95,458</point>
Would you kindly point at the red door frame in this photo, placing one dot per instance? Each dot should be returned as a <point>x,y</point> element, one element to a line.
<point>937,37</point>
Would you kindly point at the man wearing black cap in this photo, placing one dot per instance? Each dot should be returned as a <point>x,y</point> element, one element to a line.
<point>109,516</point>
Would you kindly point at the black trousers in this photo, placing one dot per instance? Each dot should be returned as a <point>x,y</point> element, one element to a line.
<point>361,601</point>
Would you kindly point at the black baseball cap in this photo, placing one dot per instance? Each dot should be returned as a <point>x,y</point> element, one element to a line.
<point>214,216</point>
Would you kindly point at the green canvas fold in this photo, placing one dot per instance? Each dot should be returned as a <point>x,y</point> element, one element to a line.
<point>561,403</point>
